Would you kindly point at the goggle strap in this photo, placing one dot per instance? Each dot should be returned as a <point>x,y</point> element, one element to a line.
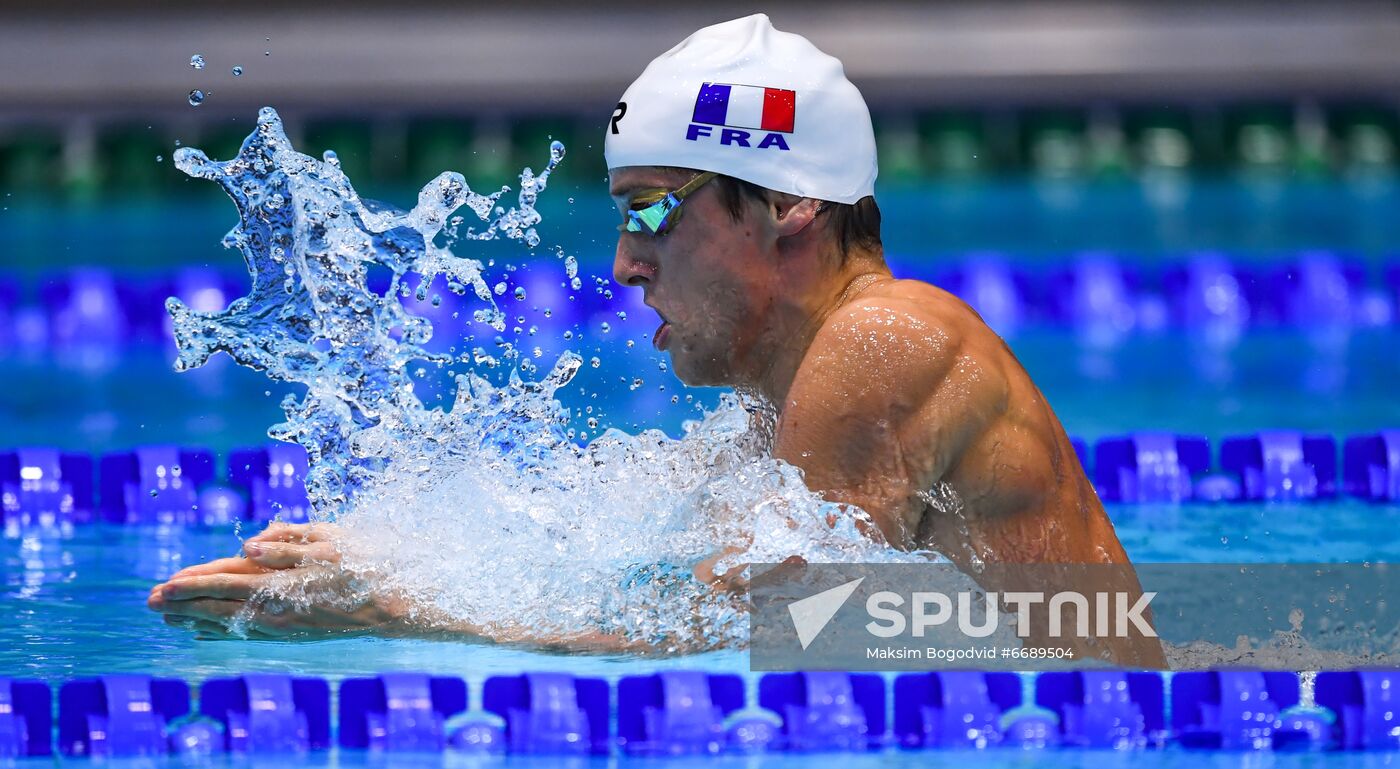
<point>693,185</point>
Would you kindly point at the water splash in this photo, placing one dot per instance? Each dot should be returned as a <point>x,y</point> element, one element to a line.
<point>486,513</point>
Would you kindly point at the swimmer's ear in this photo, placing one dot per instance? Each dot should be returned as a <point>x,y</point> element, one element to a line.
<point>792,214</point>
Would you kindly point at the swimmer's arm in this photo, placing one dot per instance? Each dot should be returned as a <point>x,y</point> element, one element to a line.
<point>214,598</point>
<point>883,408</point>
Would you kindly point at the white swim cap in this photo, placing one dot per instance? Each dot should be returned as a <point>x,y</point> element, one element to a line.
<point>745,100</point>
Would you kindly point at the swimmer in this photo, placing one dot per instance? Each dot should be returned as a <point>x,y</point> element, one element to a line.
<point>742,163</point>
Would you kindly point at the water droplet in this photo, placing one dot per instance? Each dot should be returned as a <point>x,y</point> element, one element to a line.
<point>520,294</point>
<point>160,158</point>
<point>197,61</point>
<point>267,53</point>
<point>155,493</point>
<point>237,71</point>
<point>196,97</point>
<point>499,288</point>
<point>606,328</point>
<point>595,362</point>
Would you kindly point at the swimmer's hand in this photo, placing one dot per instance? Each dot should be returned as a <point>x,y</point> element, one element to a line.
<point>233,597</point>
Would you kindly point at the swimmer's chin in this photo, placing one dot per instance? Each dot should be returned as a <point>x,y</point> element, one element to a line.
<point>693,373</point>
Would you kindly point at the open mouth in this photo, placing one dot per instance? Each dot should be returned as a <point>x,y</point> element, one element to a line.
<point>663,331</point>
<point>662,335</point>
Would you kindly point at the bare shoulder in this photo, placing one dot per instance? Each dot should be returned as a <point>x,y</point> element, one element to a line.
<point>903,329</point>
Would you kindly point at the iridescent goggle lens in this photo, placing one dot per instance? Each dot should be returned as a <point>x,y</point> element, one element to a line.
<point>654,219</point>
<point>657,218</point>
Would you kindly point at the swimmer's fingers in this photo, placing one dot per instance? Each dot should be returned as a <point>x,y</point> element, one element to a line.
<point>293,532</point>
<point>205,609</point>
<point>234,565</point>
<point>286,555</point>
<point>237,587</point>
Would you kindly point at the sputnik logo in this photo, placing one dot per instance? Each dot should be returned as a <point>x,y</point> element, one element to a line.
<point>810,615</point>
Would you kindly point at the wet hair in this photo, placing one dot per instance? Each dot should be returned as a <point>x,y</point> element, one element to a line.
<point>856,225</point>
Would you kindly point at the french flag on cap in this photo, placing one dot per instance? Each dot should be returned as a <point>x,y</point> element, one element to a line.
<point>745,106</point>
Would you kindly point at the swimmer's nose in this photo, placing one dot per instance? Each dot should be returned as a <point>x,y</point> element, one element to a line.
<point>631,267</point>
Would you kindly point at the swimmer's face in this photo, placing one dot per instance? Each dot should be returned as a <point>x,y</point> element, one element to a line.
<point>711,279</point>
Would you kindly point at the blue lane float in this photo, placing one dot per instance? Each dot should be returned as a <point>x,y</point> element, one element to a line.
<point>1318,290</point>
<point>84,309</point>
<point>1367,707</point>
<point>953,709</point>
<point>1147,467</point>
<point>26,718</point>
<point>1371,466</point>
<point>177,485</point>
<point>119,716</point>
<point>273,478</point>
<point>551,713</point>
<point>269,713</point>
<point>1207,293</point>
<point>399,712</point>
<point>44,486</point>
<point>694,713</point>
<point>678,712</point>
<point>1281,465</point>
<point>1241,710</point>
<point>1095,292</point>
<point>823,711</point>
<point>1100,297</point>
<point>1105,708</point>
<point>154,484</point>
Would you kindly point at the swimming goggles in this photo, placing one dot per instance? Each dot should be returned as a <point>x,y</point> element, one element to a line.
<point>657,218</point>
